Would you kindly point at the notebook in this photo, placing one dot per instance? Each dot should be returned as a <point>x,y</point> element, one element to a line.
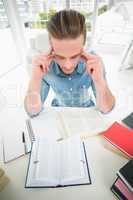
<point>58,163</point>
<point>126,174</point>
<point>129,120</point>
<point>11,146</point>
<point>120,137</point>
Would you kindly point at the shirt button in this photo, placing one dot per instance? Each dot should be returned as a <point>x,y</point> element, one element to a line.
<point>69,78</point>
<point>71,89</point>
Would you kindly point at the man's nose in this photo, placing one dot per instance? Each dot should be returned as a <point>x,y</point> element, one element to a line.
<point>68,63</point>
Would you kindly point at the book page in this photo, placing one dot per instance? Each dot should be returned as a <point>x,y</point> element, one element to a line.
<point>55,163</point>
<point>46,125</point>
<point>44,163</point>
<point>48,159</point>
<point>72,161</point>
<point>83,122</point>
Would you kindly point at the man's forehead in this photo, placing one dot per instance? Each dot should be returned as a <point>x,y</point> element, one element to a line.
<point>67,47</point>
<point>76,41</point>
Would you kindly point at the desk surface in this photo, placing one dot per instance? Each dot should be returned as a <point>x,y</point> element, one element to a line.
<point>104,163</point>
<point>103,166</point>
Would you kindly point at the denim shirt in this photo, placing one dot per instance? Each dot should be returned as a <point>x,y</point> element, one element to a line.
<point>74,90</point>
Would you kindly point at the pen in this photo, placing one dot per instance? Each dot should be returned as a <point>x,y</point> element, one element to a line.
<point>23,140</point>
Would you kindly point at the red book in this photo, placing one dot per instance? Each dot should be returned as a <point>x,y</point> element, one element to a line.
<point>121,137</point>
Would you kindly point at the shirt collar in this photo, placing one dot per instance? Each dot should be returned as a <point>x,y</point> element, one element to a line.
<point>79,69</point>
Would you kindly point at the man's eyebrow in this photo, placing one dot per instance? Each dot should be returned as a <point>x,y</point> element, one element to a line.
<point>70,57</point>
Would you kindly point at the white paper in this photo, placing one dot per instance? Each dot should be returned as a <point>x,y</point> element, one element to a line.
<point>13,146</point>
<point>46,125</point>
<point>83,122</point>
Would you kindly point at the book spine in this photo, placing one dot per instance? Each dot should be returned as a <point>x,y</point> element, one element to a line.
<point>125,181</point>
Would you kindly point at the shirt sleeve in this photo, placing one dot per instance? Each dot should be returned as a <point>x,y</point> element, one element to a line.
<point>44,90</point>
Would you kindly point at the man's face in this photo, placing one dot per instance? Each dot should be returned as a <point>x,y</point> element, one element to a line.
<point>67,52</point>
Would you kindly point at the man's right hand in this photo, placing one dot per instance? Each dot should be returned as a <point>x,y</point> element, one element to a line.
<point>40,65</point>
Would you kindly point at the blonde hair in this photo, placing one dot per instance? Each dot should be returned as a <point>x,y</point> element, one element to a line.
<point>67,24</point>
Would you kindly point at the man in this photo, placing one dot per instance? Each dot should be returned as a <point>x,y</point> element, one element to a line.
<point>74,75</point>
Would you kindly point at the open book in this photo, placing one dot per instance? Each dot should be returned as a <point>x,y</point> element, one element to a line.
<point>82,121</point>
<point>62,123</point>
<point>56,164</point>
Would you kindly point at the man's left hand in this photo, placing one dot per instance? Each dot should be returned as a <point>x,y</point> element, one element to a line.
<point>94,66</point>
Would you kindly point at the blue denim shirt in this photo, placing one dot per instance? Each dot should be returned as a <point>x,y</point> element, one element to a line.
<point>74,90</point>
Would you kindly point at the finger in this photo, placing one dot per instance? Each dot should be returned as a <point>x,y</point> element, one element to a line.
<point>92,62</point>
<point>41,61</point>
<point>42,65</point>
<point>49,52</point>
<point>52,51</point>
<point>44,68</point>
<point>50,57</point>
<point>44,60</point>
<point>36,63</point>
<point>91,68</point>
<point>88,56</point>
<point>45,56</point>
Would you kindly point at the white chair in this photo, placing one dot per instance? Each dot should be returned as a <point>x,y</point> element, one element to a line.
<point>114,34</point>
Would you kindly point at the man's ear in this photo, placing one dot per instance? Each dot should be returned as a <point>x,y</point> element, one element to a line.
<point>50,46</point>
<point>82,51</point>
<point>50,42</point>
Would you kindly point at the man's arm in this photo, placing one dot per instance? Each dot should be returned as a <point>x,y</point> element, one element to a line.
<point>104,98</point>
<point>36,95</point>
<point>33,99</point>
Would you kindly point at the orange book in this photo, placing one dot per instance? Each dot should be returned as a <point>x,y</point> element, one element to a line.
<point>120,137</point>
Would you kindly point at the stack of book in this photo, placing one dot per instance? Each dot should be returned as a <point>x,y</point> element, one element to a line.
<point>3,179</point>
<point>123,186</point>
<point>119,139</point>
<point>128,121</point>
